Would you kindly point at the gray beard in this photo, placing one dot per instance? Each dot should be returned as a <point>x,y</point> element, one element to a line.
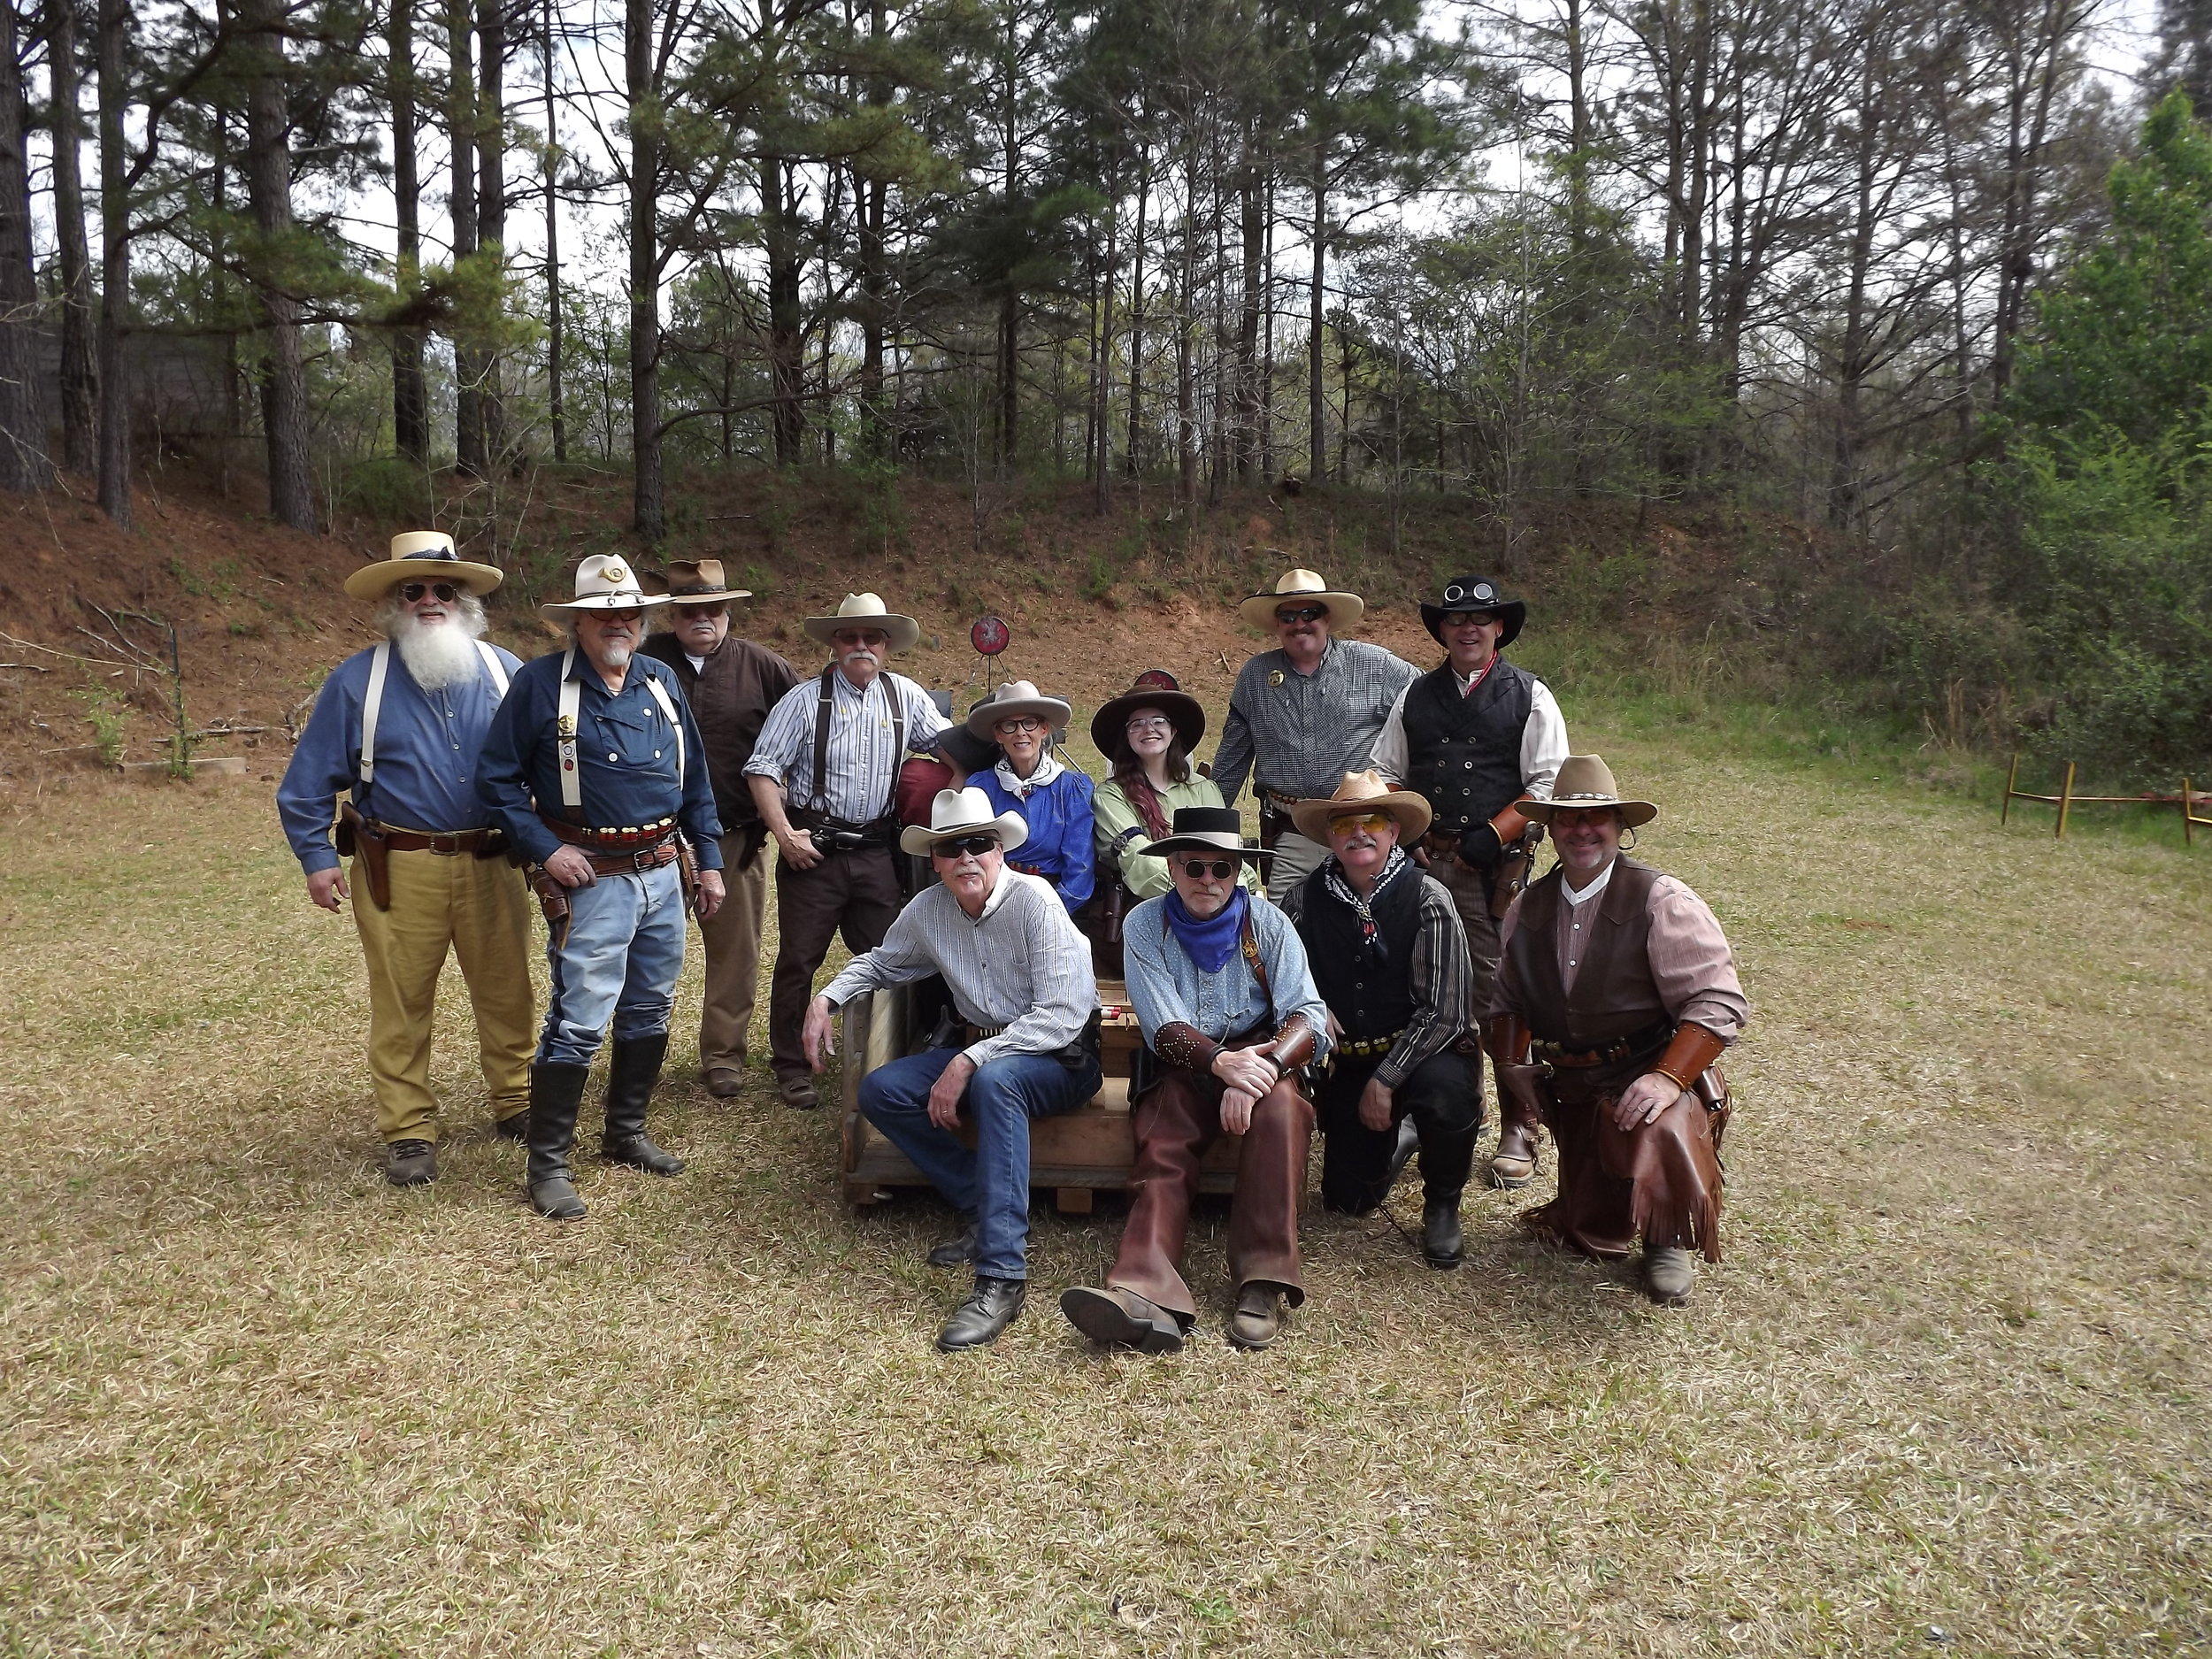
<point>616,652</point>
<point>438,656</point>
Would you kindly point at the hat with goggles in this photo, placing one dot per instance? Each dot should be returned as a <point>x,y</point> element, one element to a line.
<point>1476,595</point>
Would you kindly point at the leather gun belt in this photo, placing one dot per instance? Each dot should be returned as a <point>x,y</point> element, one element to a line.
<point>1647,1041</point>
<point>481,843</point>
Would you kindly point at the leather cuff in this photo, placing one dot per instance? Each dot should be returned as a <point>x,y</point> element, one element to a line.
<point>1292,1044</point>
<point>1507,1039</point>
<point>1692,1049</point>
<point>1178,1043</point>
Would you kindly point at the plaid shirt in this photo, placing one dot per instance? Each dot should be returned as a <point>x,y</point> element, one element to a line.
<point>1298,734</point>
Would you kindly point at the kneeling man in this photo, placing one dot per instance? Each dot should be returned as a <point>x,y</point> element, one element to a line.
<point>1020,976</point>
<point>1615,993</point>
<point>1390,958</point>
<point>1229,1014</point>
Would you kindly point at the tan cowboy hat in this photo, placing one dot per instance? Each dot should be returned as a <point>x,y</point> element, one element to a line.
<point>1363,792</point>
<point>957,812</point>
<point>419,555</point>
<point>606,582</point>
<point>1586,780</point>
<point>700,582</point>
<point>1345,609</point>
<point>866,608</point>
<point>1016,696</point>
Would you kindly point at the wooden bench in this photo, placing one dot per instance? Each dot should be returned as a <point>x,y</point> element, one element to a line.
<point>1075,1155</point>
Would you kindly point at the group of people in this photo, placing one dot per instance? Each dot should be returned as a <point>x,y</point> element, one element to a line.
<point>1350,968</point>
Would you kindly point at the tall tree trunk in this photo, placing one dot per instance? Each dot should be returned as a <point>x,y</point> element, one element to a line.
<point>1316,403</point>
<point>1102,393</point>
<point>23,463</point>
<point>557,412</point>
<point>1251,238</point>
<point>269,183</point>
<point>491,202</point>
<point>1009,301</point>
<point>648,506</point>
<point>80,365</point>
<point>869,195</point>
<point>410,397</point>
<point>1185,320</point>
<point>1133,460</point>
<point>469,452</point>
<point>786,344</point>
<point>115,264</point>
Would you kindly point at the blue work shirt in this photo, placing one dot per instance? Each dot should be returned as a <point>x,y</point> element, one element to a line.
<point>626,758</point>
<point>426,748</point>
<point>1058,844</point>
<point>1165,985</point>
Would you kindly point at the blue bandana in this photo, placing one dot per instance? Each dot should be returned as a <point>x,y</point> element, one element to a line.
<point>1214,940</point>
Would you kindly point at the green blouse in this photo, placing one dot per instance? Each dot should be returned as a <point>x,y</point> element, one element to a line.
<point>1113,817</point>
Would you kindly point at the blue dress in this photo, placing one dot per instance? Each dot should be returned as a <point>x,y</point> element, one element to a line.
<point>1058,847</point>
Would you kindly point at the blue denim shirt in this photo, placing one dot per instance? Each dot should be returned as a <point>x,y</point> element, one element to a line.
<point>1165,985</point>
<point>427,744</point>
<point>626,757</point>
<point>1058,844</point>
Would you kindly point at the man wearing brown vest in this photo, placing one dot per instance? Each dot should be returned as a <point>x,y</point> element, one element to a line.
<point>731,683</point>
<point>1615,993</point>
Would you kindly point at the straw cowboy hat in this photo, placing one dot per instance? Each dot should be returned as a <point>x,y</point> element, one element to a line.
<point>957,812</point>
<point>420,556</point>
<point>856,610</point>
<point>1345,609</point>
<point>1363,792</point>
<point>1016,696</point>
<point>1206,829</point>
<point>700,582</point>
<point>1476,594</point>
<point>1586,780</point>
<point>1156,688</point>
<point>606,582</point>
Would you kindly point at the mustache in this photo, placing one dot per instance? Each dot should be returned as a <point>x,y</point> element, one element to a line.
<point>863,655</point>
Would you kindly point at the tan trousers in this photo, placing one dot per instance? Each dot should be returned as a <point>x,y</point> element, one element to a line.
<point>479,909</point>
<point>1295,858</point>
<point>732,951</point>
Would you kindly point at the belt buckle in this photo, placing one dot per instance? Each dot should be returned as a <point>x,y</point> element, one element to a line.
<point>641,862</point>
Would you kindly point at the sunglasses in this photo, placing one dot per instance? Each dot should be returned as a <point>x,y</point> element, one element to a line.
<point>1368,821</point>
<point>1219,869</point>
<point>1020,723</point>
<point>411,593</point>
<point>692,612</point>
<point>967,846</point>
<point>1303,613</point>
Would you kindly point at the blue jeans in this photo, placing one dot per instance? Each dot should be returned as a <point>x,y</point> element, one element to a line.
<point>624,954</point>
<point>991,1182</point>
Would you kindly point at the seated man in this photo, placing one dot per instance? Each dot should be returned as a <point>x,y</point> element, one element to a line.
<point>1020,976</point>
<point>1620,979</point>
<point>1390,958</point>
<point>1229,1014</point>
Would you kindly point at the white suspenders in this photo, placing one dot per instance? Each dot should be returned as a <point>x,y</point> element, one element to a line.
<point>373,704</point>
<point>572,704</point>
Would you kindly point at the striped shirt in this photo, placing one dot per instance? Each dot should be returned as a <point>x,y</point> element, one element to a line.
<point>1021,966</point>
<point>1442,980</point>
<point>862,767</point>
<point>1298,734</point>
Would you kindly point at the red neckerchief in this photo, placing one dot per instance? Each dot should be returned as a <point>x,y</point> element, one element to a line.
<point>1468,690</point>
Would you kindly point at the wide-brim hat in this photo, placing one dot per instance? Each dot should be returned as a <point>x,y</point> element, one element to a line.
<point>421,556</point>
<point>866,608</point>
<point>1363,792</point>
<point>1475,593</point>
<point>957,812</point>
<point>1345,609</point>
<point>1206,829</point>
<point>1586,780</point>
<point>700,582</point>
<point>606,582</point>
<point>1016,696</point>
<point>1156,688</point>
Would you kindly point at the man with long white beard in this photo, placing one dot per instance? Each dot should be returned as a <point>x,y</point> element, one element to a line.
<point>398,728</point>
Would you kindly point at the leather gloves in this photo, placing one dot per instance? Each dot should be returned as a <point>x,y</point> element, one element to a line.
<point>1481,848</point>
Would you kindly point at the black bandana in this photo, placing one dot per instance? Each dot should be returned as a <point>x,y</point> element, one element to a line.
<point>1371,939</point>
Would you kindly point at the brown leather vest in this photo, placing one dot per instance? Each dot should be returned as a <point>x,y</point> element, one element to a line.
<point>1615,993</point>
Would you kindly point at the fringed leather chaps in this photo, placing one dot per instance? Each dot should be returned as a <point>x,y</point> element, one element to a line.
<point>1661,1180</point>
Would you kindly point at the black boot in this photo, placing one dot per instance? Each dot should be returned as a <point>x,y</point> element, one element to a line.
<point>957,1251</point>
<point>992,1305</point>
<point>1401,1151</point>
<point>632,1069</point>
<point>1442,1244</point>
<point>556,1093</point>
<point>1448,1158</point>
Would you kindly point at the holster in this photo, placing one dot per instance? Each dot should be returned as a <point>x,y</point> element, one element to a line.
<point>552,899</point>
<point>687,872</point>
<point>372,857</point>
<point>1525,1084</point>
<point>1510,874</point>
<point>1273,821</point>
<point>751,838</point>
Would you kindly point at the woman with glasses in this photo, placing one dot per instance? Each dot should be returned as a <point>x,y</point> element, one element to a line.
<point>1052,798</point>
<point>1146,735</point>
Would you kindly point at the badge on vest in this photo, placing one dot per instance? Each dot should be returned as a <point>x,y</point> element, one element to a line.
<point>1275,677</point>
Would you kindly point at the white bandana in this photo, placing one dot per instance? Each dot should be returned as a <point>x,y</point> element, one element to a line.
<point>1048,767</point>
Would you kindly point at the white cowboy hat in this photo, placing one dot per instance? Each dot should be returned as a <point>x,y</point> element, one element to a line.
<point>866,608</point>
<point>419,555</point>
<point>1363,792</point>
<point>957,812</point>
<point>606,582</point>
<point>1016,696</point>
<point>1586,780</point>
<point>1345,609</point>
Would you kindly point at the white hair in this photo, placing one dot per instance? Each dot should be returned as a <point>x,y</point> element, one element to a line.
<point>436,656</point>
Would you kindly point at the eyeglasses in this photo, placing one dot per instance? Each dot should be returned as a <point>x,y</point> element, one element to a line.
<point>870,637</point>
<point>1150,723</point>
<point>1301,613</point>
<point>609,618</point>
<point>1220,869</point>
<point>1019,723</point>
<point>411,593</point>
<point>967,846</point>
<point>1372,822</point>
<point>692,613</point>
<point>1460,618</point>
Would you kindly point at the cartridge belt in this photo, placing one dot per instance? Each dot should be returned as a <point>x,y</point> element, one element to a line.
<point>1369,1045</point>
<point>1644,1041</point>
<point>631,838</point>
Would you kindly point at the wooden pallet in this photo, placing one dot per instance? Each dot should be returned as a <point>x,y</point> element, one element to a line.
<point>1075,1155</point>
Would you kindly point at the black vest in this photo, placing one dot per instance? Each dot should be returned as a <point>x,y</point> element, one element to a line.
<point>1370,990</point>
<point>1464,753</point>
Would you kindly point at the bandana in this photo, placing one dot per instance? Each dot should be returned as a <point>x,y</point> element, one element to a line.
<point>1048,767</point>
<point>1214,940</point>
<point>1370,939</point>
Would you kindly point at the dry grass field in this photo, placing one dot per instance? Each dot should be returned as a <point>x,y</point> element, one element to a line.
<point>1950,1393</point>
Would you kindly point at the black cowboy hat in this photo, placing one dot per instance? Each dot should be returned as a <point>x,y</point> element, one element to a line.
<point>1475,593</point>
<point>1206,829</point>
<point>1156,688</point>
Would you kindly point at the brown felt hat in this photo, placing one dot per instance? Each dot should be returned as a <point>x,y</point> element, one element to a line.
<point>1586,780</point>
<point>700,582</point>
